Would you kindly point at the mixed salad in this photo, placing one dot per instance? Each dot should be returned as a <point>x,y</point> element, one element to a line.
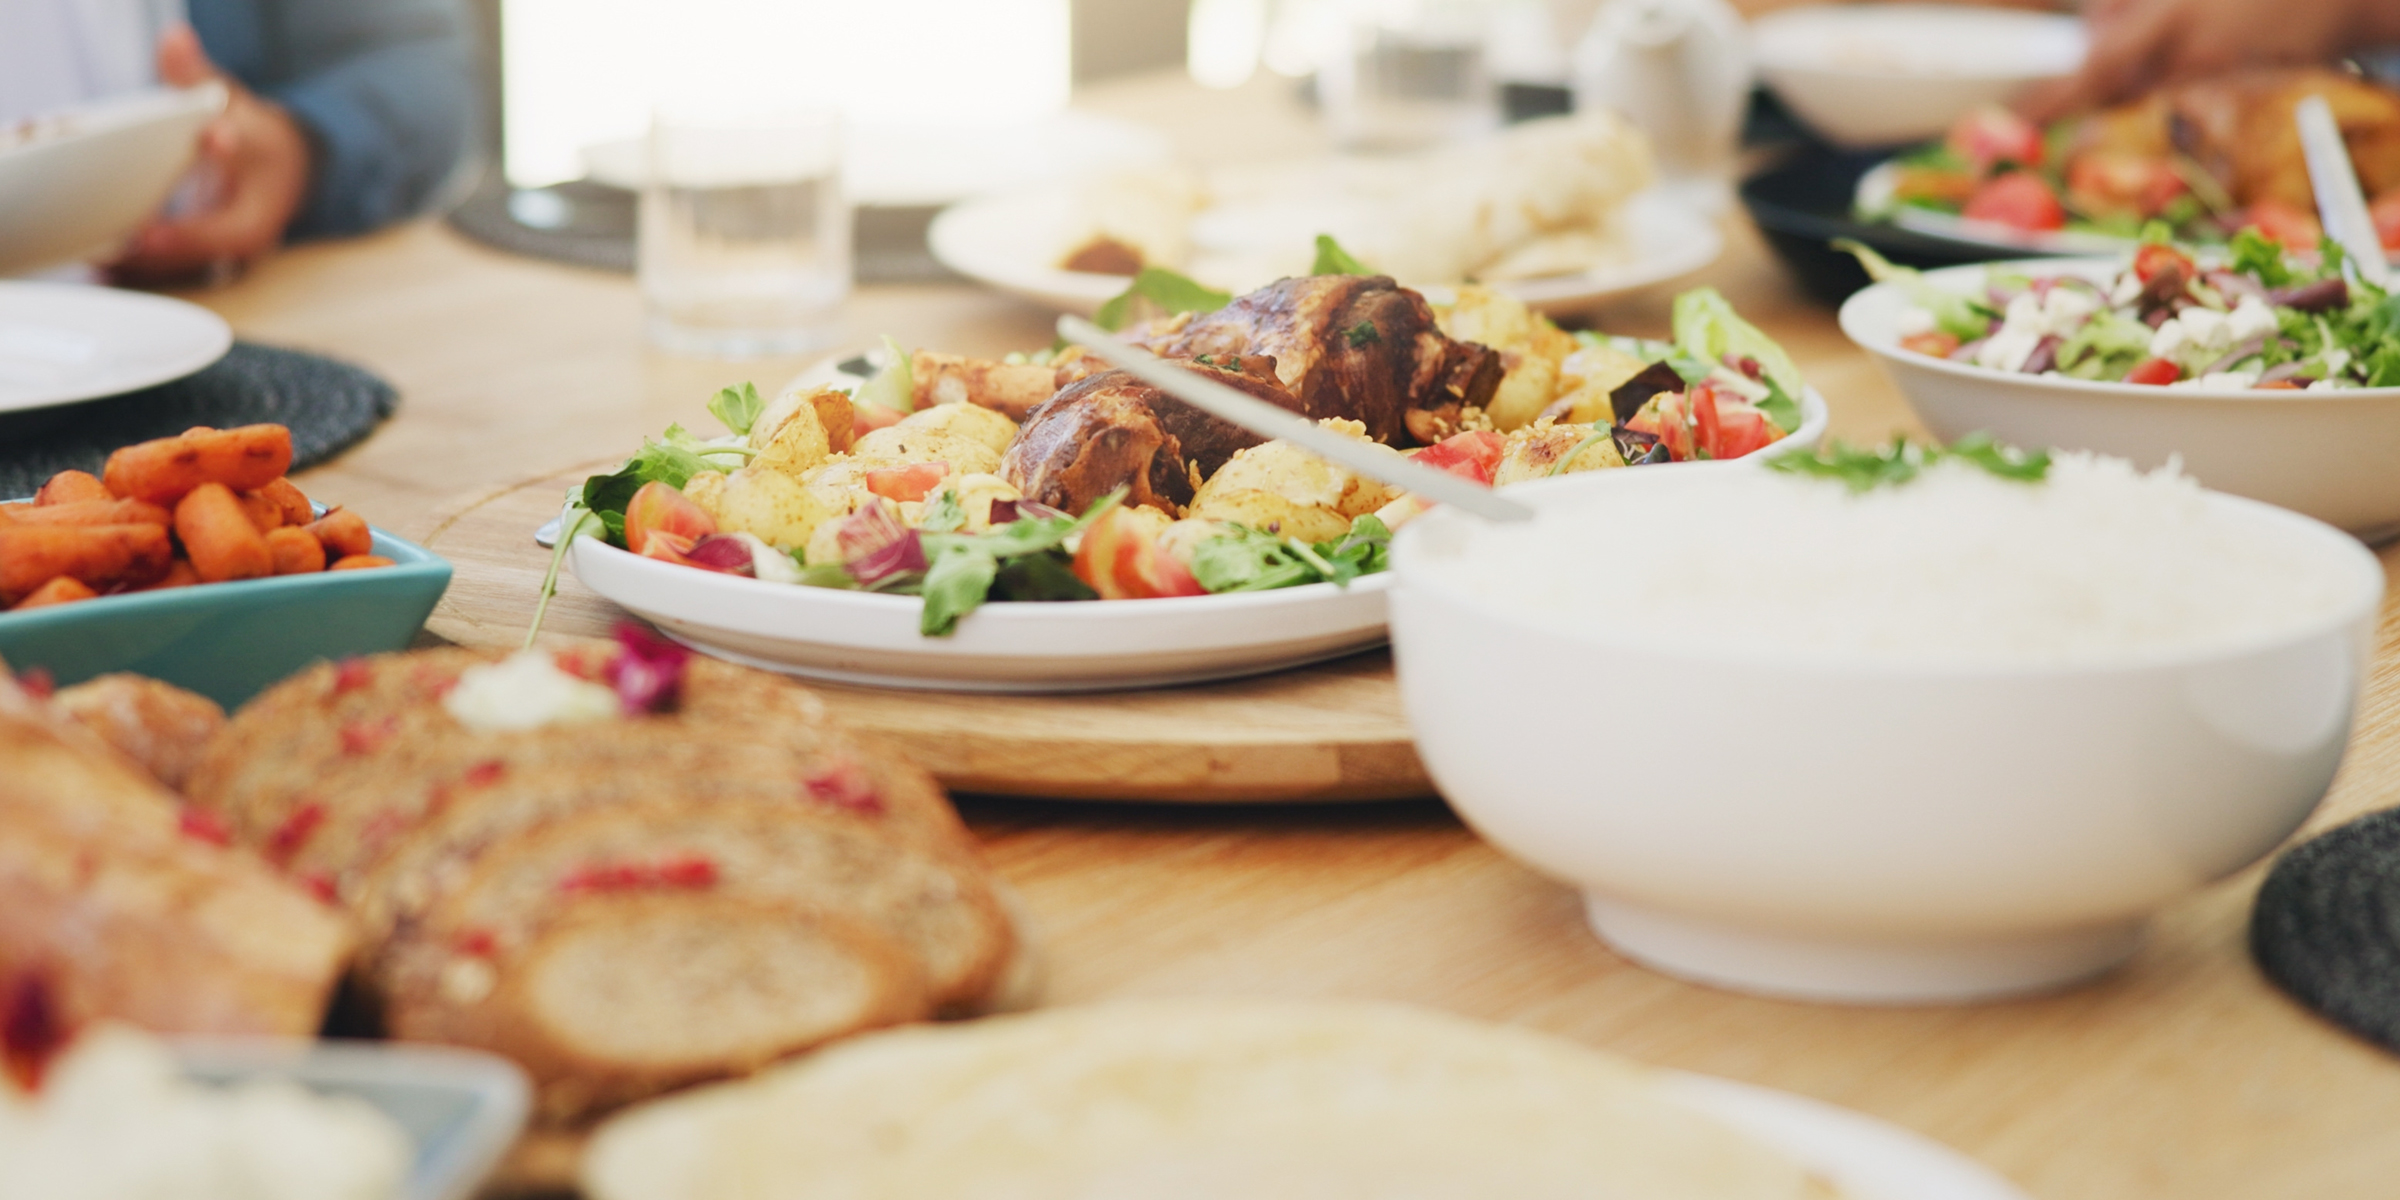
<point>2253,317</point>
<point>1996,167</point>
<point>874,489</point>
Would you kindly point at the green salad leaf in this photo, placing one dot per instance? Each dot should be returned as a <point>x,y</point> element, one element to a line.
<point>1333,260</point>
<point>2254,253</point>
<point>1025,559</point>
<point>1255,560</point>
<point>895,386</point>
<point>1962,317</point>
<point>738,408</point>
<point>1707,329</point>
<point>1863,469</point>
<point>1162,289</point>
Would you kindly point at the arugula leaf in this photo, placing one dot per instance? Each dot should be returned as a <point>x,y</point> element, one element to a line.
<point>1862,469</point>
<point>1049,575</point>
<point>2256,254</point>
<point>574,521</point>
<point>895,386</point>
<point>956,583</point>
<point>1243,559</point>
<point>1333,260</point>
<point>739,409</point>
<point>1162,289</point>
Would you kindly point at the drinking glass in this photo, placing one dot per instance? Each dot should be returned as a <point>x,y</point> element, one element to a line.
<point>744,245</point>
<point>1409,73</point>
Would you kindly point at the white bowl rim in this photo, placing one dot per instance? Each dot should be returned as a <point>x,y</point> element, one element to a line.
<point>1773,52</point>
<point>1881,343</point>
<point>2366,568</point>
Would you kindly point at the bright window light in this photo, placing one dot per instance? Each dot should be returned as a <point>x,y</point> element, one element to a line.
<point>581,72</point>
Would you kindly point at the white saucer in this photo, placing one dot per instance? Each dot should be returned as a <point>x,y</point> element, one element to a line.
<point>1866,1158</point>
<point>61,343</point>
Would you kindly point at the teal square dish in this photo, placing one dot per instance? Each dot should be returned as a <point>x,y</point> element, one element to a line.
<point>228,641</point>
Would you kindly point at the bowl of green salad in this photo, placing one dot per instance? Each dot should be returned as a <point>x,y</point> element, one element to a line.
<point>2268,375</point>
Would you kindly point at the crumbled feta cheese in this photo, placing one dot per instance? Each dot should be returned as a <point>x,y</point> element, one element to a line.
<point>2321,385</point>
<point>2024,315</point>
<point>2128,290</point>
<point>2008,349</point>
<point>1913,321</point>
<point>2205,328</point>
<point>526,690</point>
<point>2064,310</point>
<point>2252,318</point>
<point>2170,339</point>
<point>2231,380</point>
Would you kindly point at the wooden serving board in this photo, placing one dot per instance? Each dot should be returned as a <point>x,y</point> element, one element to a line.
<point>1333,731</point>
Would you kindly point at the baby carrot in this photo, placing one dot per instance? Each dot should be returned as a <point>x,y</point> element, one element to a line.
<point>165,470</point>
<point>344,533</point>
<point>67,487</point>
<point>178,575</point>
<point>360,562</point>
<point>96,512</point>
<point>66,589</point>
<point>218,536</point>
<point>290,499</point>
<point>103,557</point>
<point>296,551</point>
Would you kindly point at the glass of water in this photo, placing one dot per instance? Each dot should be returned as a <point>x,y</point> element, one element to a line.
<point>744,245</point>
<point>1408,73</point>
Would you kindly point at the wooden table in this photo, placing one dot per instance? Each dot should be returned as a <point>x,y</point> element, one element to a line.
<point>2181,1077</point>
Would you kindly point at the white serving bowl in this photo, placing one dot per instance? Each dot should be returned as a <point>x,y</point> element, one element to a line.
<point>92,175</point>
<point>1865,833</point>
<point>1881,74</point>
<point>2331,455</point>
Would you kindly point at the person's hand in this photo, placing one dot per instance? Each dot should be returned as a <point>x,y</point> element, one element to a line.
<point>2138,45</point>
<point>260,162</point>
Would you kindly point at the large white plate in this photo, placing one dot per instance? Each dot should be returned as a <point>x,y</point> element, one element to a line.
<point>85,179</point>
<point>62,342</point>
<point>1866,1158</point>
<point>1015,240</point>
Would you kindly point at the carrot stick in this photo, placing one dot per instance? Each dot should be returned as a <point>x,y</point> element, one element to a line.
<point>264,513</point>
<point>360,562</point>
<point>67,487</point>
<point>102,556</point>
<point>344,533</point>
<point>293,501</point>
<point>296,551</point>
<point>66,589</point>
<point>178,575</point>
<point>165,470</point>
<point>96,512</point>
<point>218,536</point>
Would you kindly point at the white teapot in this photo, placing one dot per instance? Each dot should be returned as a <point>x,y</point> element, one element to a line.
<point>1679,70</point>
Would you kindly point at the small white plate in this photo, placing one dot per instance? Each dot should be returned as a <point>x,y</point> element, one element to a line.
<point>62,342</point>
<point>1014,241</point>
<point>83,180</point>
<point>1891,73</point>
<point>1866,1158</point>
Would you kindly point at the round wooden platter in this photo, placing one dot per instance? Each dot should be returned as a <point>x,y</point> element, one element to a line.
<point>1333,731</point>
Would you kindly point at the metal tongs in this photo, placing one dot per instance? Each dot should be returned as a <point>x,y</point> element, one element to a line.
<point>1266,420</point>
<point>2340,203</point>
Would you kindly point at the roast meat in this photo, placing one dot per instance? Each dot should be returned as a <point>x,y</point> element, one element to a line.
<point>1110,430</point>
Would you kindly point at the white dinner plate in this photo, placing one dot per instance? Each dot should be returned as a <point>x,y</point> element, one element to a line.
<point>63,342</point>
<point>1868,1159</point>
<point>1014,241</point>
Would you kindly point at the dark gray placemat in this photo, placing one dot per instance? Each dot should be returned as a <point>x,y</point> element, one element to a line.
<point>2327,926</point>
<point>329,405</point>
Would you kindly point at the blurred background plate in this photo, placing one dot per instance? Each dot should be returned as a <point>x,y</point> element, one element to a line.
<point>1803,200</point>
<point>81,181</point>
<point>229,640</point>
<point>462,1109</point>
<point>61,343</point>
<point>1879,75</point>
<point>1014,241</point>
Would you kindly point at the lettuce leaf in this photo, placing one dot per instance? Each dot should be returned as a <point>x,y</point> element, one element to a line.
<point>1161,289</point>
<point>1707,328</point>
<point>1962,317</point>
<point>1333,260</point>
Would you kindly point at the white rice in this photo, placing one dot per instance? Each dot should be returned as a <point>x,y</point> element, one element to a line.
<point>2100,562</point>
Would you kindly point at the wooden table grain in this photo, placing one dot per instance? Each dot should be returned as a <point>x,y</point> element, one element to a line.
<point>2183,1076</point>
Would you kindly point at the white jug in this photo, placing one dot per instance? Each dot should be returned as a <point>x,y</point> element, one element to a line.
<point>1679,70</point>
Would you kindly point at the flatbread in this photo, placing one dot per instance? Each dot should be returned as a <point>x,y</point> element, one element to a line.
<point>1192,1101</point>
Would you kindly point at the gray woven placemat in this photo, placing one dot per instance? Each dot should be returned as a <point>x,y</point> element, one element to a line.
<point>329,405</point>
<point>2327,926</point>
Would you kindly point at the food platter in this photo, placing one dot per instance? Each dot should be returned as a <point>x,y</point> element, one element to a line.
<point>1329,731</point>
<point>1014,240</point>
<point>65,343</point>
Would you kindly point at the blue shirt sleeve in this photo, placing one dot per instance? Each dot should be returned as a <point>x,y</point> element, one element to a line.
<point>386,89</point>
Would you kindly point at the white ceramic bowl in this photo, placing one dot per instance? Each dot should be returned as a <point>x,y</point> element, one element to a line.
<point>1866,833</point>
<point>1881,74</point>
<point>2330,455</point>
<point>91,176</point>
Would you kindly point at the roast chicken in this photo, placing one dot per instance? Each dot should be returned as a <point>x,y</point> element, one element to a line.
<point>1110,430</point>
<point>2238,130</point>
<point>1359,347</point>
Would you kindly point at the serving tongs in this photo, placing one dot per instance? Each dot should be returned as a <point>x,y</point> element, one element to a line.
<point>1268,421</point>
<point>2340,203</point>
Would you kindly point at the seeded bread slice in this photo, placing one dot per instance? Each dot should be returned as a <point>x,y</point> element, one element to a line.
<point>940,907</point>
<point>618,997</point>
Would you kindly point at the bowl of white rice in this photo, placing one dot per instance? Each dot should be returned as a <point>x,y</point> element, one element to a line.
<point>1945,739</point>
